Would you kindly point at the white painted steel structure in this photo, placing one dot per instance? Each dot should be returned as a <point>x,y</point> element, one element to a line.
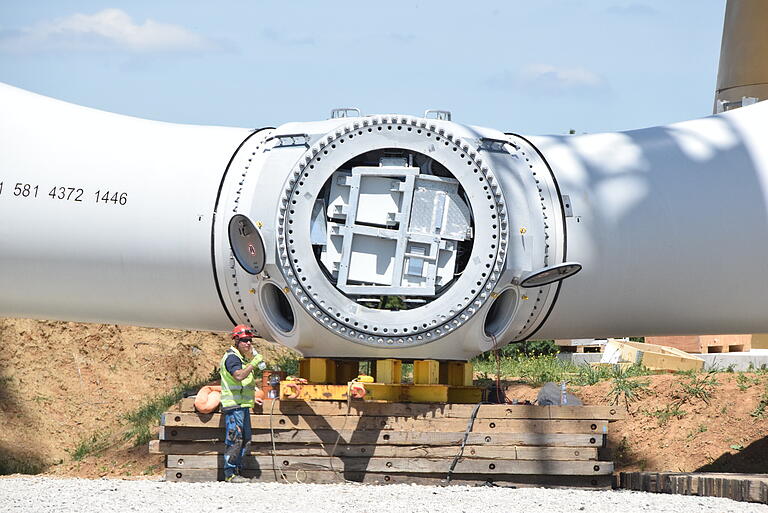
<point>108,218</point>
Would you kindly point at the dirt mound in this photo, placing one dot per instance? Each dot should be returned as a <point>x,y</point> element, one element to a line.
<point>66,387</point>
<point>714,422</point>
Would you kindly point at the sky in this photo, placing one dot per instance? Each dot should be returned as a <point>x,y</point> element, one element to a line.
<point>531,67</point>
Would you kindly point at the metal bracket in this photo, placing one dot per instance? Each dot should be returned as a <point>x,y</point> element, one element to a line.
<point>285,140</point>
<point>492,145</point>
<point>345,112</point>
<point>443,115</point>
<point>724,105</point>
<point>567,206</point>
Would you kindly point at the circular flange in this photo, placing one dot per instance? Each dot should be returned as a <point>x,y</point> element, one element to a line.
<point>329,306</point>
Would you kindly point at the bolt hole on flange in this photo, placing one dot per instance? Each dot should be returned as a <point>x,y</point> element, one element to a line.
<point>391,228</point>
<point>277,308</point>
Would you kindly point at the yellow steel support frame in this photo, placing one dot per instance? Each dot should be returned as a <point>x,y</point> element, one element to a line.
<point>389,371</point>
<point>346,371</point>
<point>458,374</point>
<point>426,372</point>
<point>318,370</point>
<point>433,382</point>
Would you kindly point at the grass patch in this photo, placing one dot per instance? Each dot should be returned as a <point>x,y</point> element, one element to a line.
<point>627,389</point>
<point>743,382</point>
<point>699,387</point>
<point>543,368</point>
<point>286,362</point>
<point>142,420</point>
<point>534,370</point>
<point>762,405</point>
<point>664,415</point>
<point>91,446</point>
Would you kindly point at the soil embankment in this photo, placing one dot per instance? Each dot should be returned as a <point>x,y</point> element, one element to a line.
<point>67,386</point>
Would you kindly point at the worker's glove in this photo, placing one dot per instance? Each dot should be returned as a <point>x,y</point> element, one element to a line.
<point>258,362</point>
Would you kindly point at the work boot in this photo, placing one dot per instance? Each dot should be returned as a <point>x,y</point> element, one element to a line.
<point>237,479</point>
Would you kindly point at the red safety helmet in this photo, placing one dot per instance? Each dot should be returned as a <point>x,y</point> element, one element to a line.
<point>242,332</point>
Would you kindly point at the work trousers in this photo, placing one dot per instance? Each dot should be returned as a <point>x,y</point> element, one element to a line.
<point>237,439</point>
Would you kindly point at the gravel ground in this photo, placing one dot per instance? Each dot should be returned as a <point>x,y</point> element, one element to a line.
<point>24,494</point>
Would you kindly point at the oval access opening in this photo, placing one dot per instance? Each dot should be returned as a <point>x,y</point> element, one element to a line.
<point>247,246</point>
<point>277,308</point>
<point>500,313</point>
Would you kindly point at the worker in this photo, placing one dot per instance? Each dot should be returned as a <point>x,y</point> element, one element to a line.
<point>238,386</point>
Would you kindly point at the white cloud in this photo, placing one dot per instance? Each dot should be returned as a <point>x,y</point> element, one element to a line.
<point>561,78</point>
<point>546,79</point>
<point>105,30</point>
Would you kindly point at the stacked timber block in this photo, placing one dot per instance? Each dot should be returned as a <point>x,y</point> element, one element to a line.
<point>739,487</point>
<point>651,356</point>
<point>382,443</point>
<point>706,343</point>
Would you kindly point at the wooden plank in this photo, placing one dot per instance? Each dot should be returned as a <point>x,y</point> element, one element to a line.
<point>740,487</point>
<point>390,437</point>
<point>436,410</point>
<point>610,413</point>
<point>325,477</point>
<point>399,465</point>
<point>390,423</point>
<point>391,451</point>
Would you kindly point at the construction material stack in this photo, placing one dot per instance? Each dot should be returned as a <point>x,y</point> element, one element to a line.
<point>316,441</point>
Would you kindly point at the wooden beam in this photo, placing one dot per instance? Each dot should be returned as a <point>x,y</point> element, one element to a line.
<point>434,410</point>
<point>399,465</point>
<point>325,476</point>
<point>313,422</point>
<point>739,487</point>
<point>511,452</point>
<point>326,436</point>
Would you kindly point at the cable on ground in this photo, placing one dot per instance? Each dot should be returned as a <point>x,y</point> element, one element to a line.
<point>470,425</point>
<point>272,439</point>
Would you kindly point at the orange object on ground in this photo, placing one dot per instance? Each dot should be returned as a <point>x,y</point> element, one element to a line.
<point>208,399</point>
<point>357,390</point>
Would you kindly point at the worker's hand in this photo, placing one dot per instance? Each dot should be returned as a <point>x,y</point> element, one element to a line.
<point>258,400</point>
<point>257,362</point>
